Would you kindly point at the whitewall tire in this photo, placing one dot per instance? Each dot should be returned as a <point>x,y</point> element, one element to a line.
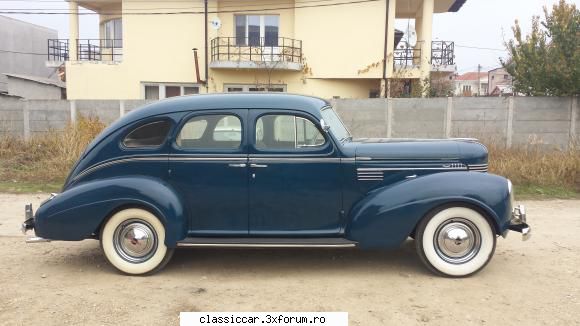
<point>455,241</point>
<point>133,242</point>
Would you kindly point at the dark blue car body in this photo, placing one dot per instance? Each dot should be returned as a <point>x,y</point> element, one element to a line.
<point>372,192</point>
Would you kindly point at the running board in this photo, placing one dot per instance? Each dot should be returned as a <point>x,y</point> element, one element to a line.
<point>267,242</point>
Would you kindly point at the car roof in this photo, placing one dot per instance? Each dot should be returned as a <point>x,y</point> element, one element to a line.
<point>278,101</point>
<point>275,101</point>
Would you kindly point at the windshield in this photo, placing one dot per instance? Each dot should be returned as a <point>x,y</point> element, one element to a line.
<point>337,128</point>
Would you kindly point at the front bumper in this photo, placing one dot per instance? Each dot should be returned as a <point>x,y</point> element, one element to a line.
<point>518,222</point>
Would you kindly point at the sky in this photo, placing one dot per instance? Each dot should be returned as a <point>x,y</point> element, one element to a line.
<point>479,23</point>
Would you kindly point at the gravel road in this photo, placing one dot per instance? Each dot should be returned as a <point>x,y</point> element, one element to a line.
<point>527,283</point>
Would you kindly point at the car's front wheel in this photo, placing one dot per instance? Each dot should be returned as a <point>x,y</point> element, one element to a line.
<point>455,241</point>
<point>133,242</point>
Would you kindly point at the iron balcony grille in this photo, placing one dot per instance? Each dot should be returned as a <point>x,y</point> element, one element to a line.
<point>407,57</point>
<point>442,53</point>
<point>255,49</point>
<point>99,49</point>
<point>57,50</point>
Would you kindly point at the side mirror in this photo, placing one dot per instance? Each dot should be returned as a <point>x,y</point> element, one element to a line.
<point>324,125</point>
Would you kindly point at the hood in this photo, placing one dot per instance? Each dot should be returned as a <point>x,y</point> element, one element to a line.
<point>467,151</point>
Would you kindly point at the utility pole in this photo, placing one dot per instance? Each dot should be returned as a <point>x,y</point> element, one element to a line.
<point>478,80</point>
<point>206,48</point>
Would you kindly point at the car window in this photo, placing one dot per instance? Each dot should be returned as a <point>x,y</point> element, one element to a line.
<point>211,132</point>
<point>286,132</point>
<point>152,134</point>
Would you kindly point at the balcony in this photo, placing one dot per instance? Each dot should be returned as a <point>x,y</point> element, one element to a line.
<point>105,50</point>
<point>442,56</point>
<point>256,53</point>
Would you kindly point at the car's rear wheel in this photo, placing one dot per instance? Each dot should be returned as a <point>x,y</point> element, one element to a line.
<point>455,241</point>
<point>133,242</point>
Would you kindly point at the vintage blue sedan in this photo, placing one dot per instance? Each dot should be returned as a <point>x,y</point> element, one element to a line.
<point>275,170</point>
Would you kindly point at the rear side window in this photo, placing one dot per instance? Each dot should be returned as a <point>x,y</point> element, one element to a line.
<point>152,134</point>
<point>216,131</point>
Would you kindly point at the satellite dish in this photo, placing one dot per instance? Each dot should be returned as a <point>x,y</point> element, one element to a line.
<point>216,23</point>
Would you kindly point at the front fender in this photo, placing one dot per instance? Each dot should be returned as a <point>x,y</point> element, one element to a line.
<point>386,216</point>
<point>78,212</point>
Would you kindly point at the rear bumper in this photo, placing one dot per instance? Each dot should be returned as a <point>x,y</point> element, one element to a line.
<point>28,219</point>
<point>29,225</point>
<point>518,222</point>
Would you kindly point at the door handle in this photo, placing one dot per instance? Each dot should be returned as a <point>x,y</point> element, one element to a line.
<point>237,165</point>
<point>411,176</point>
<point>254,165</point>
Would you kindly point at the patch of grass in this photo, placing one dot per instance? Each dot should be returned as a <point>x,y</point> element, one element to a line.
<point>44,159</point>
<point>29,187</point>
<point>534,192</point>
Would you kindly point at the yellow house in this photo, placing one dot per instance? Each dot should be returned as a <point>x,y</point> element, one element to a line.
<point>327,48</point>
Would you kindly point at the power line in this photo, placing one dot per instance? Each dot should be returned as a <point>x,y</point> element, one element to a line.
<point>223,4</point>
<point>479,48</point>
<point>186,12</point>
<point>19,52</point>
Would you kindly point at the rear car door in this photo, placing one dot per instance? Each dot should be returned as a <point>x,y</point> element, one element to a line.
<point>208,166</point>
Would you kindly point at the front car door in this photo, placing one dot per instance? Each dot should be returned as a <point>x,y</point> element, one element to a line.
<point>294,182</point>
<point>208,167</point>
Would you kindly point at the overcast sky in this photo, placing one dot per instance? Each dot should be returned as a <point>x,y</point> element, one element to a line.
<point>479,23</point>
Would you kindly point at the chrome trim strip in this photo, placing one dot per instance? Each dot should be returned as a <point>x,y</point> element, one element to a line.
<point>190,158</point>
<point>295,159</point>
<point>414,169</point>
<point>117,161</point>
<point>265,245</point>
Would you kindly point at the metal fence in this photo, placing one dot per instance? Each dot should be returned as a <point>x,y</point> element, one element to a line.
<point>258,49</point>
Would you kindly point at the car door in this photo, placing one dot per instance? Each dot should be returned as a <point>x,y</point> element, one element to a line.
<point>208,165</point>
<point>294,183</point>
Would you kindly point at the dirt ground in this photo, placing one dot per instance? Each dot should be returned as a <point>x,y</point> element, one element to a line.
<point>527,283</point>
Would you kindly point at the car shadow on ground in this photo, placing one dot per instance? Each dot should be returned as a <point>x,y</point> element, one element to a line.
<point>403,260</point>
<point>286,261</point>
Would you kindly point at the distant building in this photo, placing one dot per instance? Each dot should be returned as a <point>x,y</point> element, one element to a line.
<point>468,84</point>
<point>34,88</point>
<point>335,49</point>
<point>500,82</point>
<point>23,48</point>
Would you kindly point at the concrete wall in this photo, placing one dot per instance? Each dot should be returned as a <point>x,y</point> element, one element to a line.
<point>11,116</point>
<point>545,121</point>
<point>19,36</point>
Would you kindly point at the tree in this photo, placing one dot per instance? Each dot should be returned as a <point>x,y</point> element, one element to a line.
<point>547,61</point>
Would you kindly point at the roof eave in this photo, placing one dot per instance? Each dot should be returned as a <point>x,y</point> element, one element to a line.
<point>456,5</point>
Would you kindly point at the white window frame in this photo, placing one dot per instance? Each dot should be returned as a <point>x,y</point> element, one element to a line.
<point>246,87</point>
<point>162,93</point>
<point>262,24</point>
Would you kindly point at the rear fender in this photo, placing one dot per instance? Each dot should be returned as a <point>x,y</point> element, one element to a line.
<point>78,212</point>
<point>388,215</point>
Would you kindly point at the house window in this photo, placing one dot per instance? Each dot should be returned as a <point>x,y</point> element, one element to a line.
<point>229,88</point>
<point>113,33</point>
<point>151,92</point>
<point>506,76</point>
<point>467,88</point>
<point>154,91</point>
<point>257,30</point>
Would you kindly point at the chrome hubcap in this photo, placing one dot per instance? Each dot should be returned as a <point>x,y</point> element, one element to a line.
<point>135,241</point>
<point>457,240</point>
